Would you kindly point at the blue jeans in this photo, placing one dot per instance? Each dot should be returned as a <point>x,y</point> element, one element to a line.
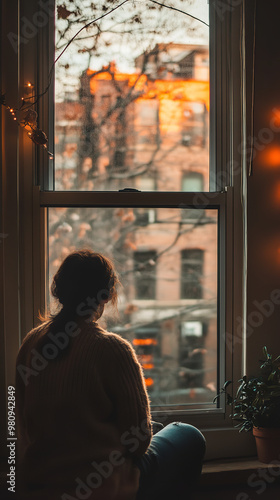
<point>171,467</point>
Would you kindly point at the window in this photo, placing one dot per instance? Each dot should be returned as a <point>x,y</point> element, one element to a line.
<point>192,181</point>
<point>192,348</point>
<point>145,275</point>
<point>78,199</point>
<point>147,121</point>
<point>133,114</point>
<point>192,274</point>
<point>106,103</point>
<point>194,124</point>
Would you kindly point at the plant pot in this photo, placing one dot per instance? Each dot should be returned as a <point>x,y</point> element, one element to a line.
<point>268,444</point>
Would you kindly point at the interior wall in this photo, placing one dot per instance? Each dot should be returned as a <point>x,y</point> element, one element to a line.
<point>263,326</point>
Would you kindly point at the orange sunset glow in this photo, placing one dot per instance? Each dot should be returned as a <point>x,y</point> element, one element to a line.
<point>171,94</point>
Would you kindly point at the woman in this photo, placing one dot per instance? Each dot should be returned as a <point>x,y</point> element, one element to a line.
<point>83,414</point>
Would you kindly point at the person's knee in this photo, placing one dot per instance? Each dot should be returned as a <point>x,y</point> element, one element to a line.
<point>193,438</point>
<point>179,440</point>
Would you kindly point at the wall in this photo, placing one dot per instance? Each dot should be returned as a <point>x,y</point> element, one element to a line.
<point>264,185</point>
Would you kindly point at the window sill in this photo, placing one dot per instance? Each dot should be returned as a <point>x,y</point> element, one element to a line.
<point>237,471</point>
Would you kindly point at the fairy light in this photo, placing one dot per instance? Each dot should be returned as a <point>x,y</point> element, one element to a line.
<point>29,120</point>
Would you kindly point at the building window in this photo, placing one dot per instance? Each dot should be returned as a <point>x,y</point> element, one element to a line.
<point>192,274</point>
<point>195,124</point>
<point>119,158</point>
<point>147,121</point>
<point>192,181</point>
<point>145,275</point>
<point>192,347</point>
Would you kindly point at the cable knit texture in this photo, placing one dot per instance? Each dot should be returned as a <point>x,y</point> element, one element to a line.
<point>81,418</point>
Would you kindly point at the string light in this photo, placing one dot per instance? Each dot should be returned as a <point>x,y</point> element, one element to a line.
<point>29,87</point>
<point>29,120</point>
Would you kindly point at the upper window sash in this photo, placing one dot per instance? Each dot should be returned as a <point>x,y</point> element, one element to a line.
<point>47,173</point>
<point>225,100</point>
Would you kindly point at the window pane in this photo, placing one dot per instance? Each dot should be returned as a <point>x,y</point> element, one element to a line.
<point>131,95</point>
<point>168,299</point>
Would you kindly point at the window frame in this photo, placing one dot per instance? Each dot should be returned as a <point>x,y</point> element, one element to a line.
<point>163,199</point>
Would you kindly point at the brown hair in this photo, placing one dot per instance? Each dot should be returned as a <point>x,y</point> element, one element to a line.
<point>84,274</point>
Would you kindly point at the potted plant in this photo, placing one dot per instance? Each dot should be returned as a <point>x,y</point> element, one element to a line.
<point>256,407</point>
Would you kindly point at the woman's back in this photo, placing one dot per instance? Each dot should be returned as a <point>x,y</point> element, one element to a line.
<point>77,410</point>
<point>83,414</point>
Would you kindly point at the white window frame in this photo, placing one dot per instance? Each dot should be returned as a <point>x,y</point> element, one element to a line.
<point>24,251</point>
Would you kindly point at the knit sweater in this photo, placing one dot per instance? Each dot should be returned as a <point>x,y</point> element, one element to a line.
<point>82,417</point>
